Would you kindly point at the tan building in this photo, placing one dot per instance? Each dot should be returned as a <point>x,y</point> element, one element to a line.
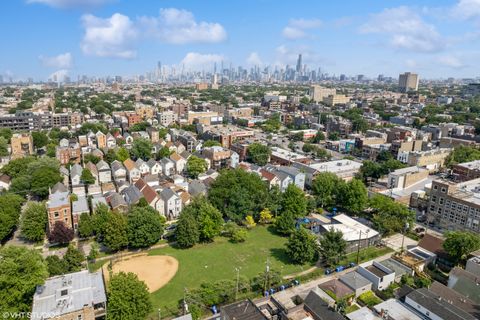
<point>433,160</point>
<point>455,206</point>
<point>22,145</point>
<point>318,93</point>
<point>219,157</point>
<point>153,134</point>
<point>467,171</point>
<point>192,116</point>
<point>335,99</point>
<point>144,111</point>
<point>201,86</point>
<point>101,140</point>
<point>408,82</point>
<point>406,177</point>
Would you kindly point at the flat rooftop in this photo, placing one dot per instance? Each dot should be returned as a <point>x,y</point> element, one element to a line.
<point>376,271</point>
<point>396,310</point>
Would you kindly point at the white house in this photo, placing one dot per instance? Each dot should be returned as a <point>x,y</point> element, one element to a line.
<point>104,172</point>
<point>142,166</point>
<point>168,166</point>
<point>155,167</point>
<point>172,203</point>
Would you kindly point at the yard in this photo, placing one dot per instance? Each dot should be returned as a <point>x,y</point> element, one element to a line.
<point>217,261</point>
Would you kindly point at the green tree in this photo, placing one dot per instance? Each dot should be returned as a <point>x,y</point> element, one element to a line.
<point>285,223</point>
<point>195,166</point>
<point>294,201</point>
<point>87,177</point>
<point>332,247</point>
<point>259,153</point>
<point>122,154</point>
<point>55,265</point>
<point>34,221</point>
<point>463,154</point>
<point>21,271</point>
<point>325,187</point>
<point>302,246</point>
<point>164,152</point>
<point>40,139</point>
<point>128,297</point>
<point>6,133</point>
<point>142,148</point>
<point>91,158</point>
<point>10,207</point>
<point>17,167</point>
<point>353,196</point>
<point>334,136</point>
<point>73,259</point>
<point>389,216</point>
<point>115,234</point>
<point>237,193</point>
<point>145,227</point>
<point>20,185</point>
<point>208,217</point>
<point>86,225</point>
<point>265,216</point>
<point>3,147</point>
<point>187,233</point>
<point>42,179</point>
<point>458,244</point>
<point>239,235</point>
<point>211,143</point>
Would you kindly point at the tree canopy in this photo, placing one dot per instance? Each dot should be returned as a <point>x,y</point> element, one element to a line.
<point>21,271</point>
<point>332,247</point>
<point>390,216</point>
<point>237,193</point>
<point>302,246</point>
<point>458,244</point>
<point>259,153</point>
<point>142,148</point>
<point>145,226</point>
<point>196,166</point>
<point>128,297</point>
<point>34,221</point>
<point>10,207</point>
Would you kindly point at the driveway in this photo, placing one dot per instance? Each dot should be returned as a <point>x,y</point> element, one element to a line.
<point>395,242</point>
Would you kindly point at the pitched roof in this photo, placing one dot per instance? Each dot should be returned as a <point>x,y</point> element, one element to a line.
<point>76,170</point>
<point>149,194</point>
<point>319,308</point>
<point>59,187</point>
<point>102,165</point>
<point>175,157</point>
<point>167,193</point>
<point>355,280</point>
<point>129,164</point>
<point>93,168</point>
<point>433,244</point>
<point>457,299</point>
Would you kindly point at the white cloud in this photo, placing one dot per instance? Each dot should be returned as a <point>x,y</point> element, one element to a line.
<point>195,60</point>
<point>410,63</point>
<point>70,3</point>
<point>59,76</point>
<point>254,59</point>
<point>179,27</point>
<point>110,37</point>
<point>62,61</point>
<point>450,61</point>
<point>406,29</point>
<point>296,28</point>
<point>466,9</point>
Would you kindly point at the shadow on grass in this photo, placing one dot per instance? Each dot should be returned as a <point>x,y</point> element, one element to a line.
<point>281,255</point>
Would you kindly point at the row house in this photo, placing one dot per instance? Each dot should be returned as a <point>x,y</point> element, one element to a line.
<point>132,170</point>
<point>58,206</point>
<point>104,172</point>
<point>150,195</point>
<point>68,154</point>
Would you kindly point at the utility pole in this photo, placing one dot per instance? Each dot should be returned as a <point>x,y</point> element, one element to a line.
<point>159,314</point>
<point>238,278</point>
<point>358,247</point>
<point>267,271</point>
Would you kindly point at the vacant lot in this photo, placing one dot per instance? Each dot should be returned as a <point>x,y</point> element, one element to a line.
<point>217,261</point>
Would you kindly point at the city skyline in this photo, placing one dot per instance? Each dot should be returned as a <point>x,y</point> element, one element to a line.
<point>44,38</point>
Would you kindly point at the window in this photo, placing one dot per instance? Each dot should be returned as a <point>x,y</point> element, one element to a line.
<point>435,187</point>
<point>64,292</point>
<point>55,214</point>
<point>444,189</point>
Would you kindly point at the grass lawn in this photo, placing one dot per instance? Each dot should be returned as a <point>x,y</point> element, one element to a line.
<point>351,308</point>
<point>366,254</point>
<point>217,261</point>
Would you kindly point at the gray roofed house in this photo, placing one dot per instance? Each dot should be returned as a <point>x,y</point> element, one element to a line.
<point>397,267</point>
<point>319,309</point>
<point>59,187</point>
<point>455,298</point>
<point>97,200</point>
<point>75,174</point>
<point>117,202</point>
<point>465,283</point>
<point>197,187</point>
<point>242,310</point>
<point>119,171</point>
<point>172,203</point>
<point>356,282</point>
<point>132,195</point>
<point>102,165</point>
<point>80,206</point>
<point>428,304</point>
<point>77,294</point>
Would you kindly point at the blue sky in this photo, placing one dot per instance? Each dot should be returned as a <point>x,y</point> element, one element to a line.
<point>437,39</point>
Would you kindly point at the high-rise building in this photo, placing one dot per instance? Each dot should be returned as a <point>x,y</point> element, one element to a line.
<point>317,93</point>
<point>408,82</point>
<point>299,63</point>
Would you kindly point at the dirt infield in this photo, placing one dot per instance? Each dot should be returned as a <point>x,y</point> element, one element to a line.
<point>156,271</point>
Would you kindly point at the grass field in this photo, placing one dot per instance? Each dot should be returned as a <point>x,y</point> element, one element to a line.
<point>217,260</point>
